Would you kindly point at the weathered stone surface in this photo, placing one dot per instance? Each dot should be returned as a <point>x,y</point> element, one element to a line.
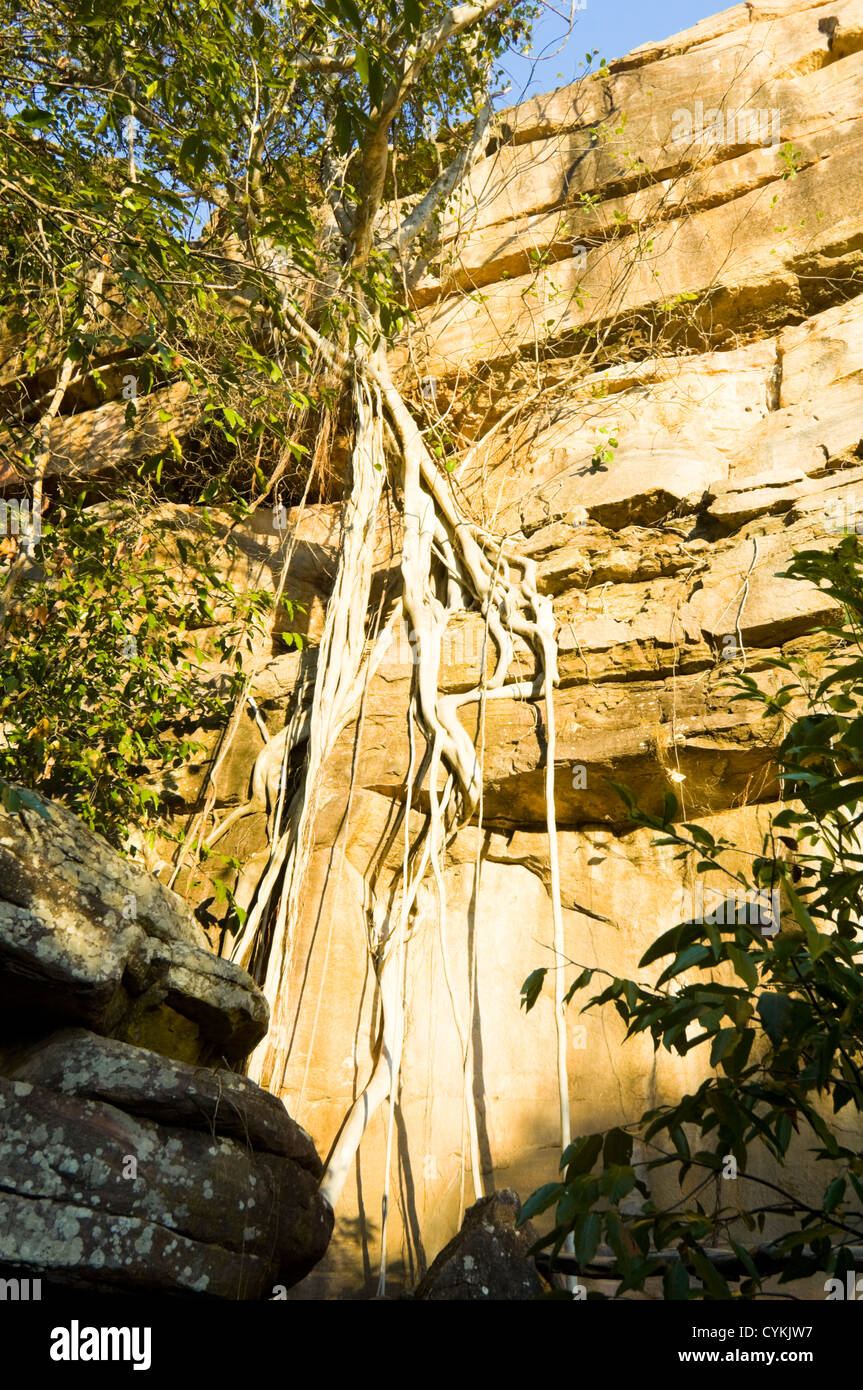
<point>639,731</point>
<point>638,485</point>
<point>98,441</point>
<point>520,200</point>
<point>75,1062</point>
<point>488,1258</point>
<point>744,593</point>
<point>573,556</point>
<point>646,405</point>
<point>97,1198</point>
<point>89,937</point>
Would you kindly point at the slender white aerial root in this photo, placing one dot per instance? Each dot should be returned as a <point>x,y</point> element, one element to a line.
<point>338,685</point>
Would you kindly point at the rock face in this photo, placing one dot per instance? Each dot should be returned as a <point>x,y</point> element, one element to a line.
<point>123,1169</point>
<point>611,273</point>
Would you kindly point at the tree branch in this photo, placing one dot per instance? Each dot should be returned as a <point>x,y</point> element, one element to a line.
<point>417,57</point>
<point>323,62</point>
<point>417,220</point>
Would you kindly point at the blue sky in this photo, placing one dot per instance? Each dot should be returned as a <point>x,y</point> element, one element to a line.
<point>611,26</point>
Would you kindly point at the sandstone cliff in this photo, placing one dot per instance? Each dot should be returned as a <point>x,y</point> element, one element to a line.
<point>644,315</point>
<point>608,274</point>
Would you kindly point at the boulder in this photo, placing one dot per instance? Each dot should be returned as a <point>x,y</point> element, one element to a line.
<point>75,1062</point>
<point>124,1171</point>
<point>488,1259</point>
<point>89,937</point>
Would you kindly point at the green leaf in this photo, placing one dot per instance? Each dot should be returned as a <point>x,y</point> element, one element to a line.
<point>348,11</point>
<point>361,64</point>
<point>343,129</point>
<point>615,1237</point>
<point>692,955</point>
<point>678,1138</point>
<point>617,1148</point>
<point>709,1275</point>
<point>580,982</point>
<point>675,1283</point>
<point>34,119</point>
<point>624,792</point>
<point>616,1183</point>
<point>834,1194</point>
<point>586,1233</point>
<point>581,1156</point>
<point>14,798</point>
<point>744,966</point>
<point>816,941</point>
<point>189,148</point>
<point>671,941</point>
<point>746,1260</point>
<point>723,1041</point>
<point>775,1011</point>
<point>539,1201</point>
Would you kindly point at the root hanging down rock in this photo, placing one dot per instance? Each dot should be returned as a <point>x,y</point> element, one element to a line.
<point>338,684</point>
<point>442,552</point>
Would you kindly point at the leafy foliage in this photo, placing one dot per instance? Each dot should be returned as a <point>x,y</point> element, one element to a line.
<point>189,149</point>
<point>179,182</point>
<point>775,1009</point>
<point>102,669</point>
<point>121,125</point>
